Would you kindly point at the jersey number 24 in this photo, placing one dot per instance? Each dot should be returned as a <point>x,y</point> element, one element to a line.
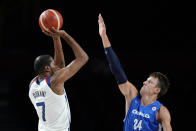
<point>137,124</point>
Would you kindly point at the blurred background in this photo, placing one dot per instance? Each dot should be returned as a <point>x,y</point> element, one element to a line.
<point>147,36</point>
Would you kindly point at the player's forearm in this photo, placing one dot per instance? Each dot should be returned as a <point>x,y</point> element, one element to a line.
<point>58,52</point>
<point>167,128</point>
<point>105,41</point>
<point>79,53</point>
<point>115,66</point>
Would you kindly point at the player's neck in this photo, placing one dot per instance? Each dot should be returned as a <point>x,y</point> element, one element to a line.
<point>147,100</point>
<point>42,76</point>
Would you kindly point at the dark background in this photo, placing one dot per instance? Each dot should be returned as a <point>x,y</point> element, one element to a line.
<point>147,36</point>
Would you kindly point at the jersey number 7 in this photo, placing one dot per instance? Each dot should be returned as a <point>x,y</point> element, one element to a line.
<point>43,109</point>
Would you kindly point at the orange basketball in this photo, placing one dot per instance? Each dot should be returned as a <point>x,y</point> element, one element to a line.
<point>50,18</point>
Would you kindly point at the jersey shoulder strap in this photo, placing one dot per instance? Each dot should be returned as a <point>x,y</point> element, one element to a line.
<point>32,81</point>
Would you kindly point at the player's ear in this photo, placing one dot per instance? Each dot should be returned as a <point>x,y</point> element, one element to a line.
<point>157,90</point>
<point>47,68</point>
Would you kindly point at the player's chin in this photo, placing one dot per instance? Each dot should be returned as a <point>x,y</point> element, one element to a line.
<point>142,90</point>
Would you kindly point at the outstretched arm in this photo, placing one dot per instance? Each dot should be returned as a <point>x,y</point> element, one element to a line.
<point>80,59</point>
<point>126,88</point>
<point>65,73</point>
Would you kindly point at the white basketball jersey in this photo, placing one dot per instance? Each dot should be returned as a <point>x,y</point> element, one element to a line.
<point>52,109</point>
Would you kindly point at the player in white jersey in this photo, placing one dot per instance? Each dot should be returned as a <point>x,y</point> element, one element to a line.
<point>47,91</point>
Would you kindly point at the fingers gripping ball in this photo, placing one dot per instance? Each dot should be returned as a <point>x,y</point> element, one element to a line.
<point>50,18</point>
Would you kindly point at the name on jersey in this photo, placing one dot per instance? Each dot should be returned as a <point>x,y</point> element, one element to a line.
<point>37,94</point>
<point>134,111</point>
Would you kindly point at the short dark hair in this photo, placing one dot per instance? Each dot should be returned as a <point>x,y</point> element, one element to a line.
<point>40,62</point>
<point>163,82</point>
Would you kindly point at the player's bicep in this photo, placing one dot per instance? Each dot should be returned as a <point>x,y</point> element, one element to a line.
<point>67,72</point>
<point>128,90</point>
<point>166,126</point>
<point>165,118</point>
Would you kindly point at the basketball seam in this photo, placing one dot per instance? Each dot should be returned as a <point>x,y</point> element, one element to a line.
<point>42,23</point>
<point>58,20</point>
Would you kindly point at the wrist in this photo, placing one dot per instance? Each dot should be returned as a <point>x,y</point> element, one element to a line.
<point>106,42</point>
<point>66,36</point>
<point>55,37</point>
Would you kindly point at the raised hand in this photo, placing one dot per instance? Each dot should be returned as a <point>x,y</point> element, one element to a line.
<point>54,32</point>
<point>102,28</point>
<point>102,32</point>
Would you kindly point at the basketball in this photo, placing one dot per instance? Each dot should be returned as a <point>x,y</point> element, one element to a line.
<point>50,18</point>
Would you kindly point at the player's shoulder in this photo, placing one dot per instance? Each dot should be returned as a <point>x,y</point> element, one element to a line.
<point>32,81</point>
<point>163,114</point>
<point>163,109</point>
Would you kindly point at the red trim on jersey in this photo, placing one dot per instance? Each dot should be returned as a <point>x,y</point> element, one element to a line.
<point>48,81</point>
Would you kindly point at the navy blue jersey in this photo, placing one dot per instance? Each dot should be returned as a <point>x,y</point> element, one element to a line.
<point>142,118</point>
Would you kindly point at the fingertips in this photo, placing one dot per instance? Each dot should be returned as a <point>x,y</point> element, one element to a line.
<point>53,30</point>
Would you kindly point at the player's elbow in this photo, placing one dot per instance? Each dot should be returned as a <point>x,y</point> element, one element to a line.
<point>83,59</point>
<point>62,64</point>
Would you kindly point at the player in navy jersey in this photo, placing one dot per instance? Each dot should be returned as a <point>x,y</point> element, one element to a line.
<point>143,111</point>
<point>46,91</point>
